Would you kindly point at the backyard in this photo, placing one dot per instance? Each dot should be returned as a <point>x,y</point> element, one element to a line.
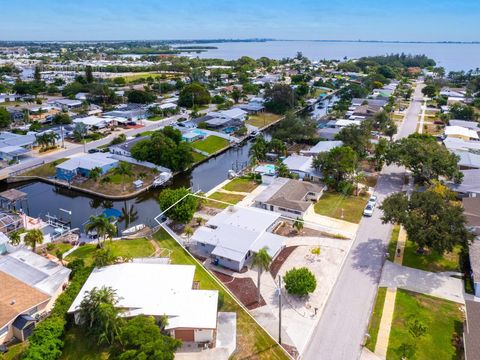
<point>46,170</point>
<point>126,248</point>
<point>225,197</point>
<point>444,327</point>
<point>262,119</point>
<point>335,205</point>
<point>431,260</point>
<point>241,185</point>
<point>211,144</point>
<point>252,341</point>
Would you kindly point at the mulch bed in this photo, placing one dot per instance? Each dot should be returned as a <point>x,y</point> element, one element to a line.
<point>280,259</point>
<point>244,289</point>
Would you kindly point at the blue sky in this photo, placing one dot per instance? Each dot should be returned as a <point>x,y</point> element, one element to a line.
<point>423,20</point>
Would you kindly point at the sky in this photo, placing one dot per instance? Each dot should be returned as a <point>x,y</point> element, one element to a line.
<point>419,20</point>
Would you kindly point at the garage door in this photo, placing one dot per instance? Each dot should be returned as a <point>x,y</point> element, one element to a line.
<point>184,335</point>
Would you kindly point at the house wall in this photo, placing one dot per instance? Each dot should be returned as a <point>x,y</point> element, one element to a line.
<point>203,335</point>
<point>187,335</point>
<point>64,174</point>
<point>476,287</point>
<point>230,264</point>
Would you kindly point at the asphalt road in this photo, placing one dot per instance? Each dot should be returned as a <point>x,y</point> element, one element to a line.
<point>342,327</point>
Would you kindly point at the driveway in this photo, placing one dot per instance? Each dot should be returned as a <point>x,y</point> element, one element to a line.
<point>424,282</point>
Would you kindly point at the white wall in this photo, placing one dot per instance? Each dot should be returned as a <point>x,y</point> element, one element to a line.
<point>203,335</point>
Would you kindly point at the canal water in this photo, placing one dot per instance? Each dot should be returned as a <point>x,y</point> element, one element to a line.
<point>46,199</point>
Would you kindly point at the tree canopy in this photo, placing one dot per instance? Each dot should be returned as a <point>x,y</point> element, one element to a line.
<point>337,166</point>
<point>300,281</point>
<point>183,211</point>
<point>5,118</point>
<point>280,98</point>
<point>194,94</point>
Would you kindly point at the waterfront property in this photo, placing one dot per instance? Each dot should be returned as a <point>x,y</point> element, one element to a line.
<point>472,213</point>
<point>302,166</point>
<point>321,147</point>
<point>232,237</point>
<point>291,198</point>
<point>157,289</point>
<point>30,284</point>
<point>14,146</point>
<point>82,165</point>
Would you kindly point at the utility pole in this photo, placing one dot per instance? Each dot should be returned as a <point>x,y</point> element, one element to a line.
<point>279,309</point>
<point>63,140</point>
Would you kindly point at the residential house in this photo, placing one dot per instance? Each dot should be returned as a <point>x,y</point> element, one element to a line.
<point>125,148</point>
<point>461,132</point>
<point>471,329</point>
<point>66,104</point>
<point>341,123</point>
<point>82,165</point>
<point>470,185</point>
<point>363,101</point>
<point>231,237</point>
<point>30,284</point>
<point>453,143</point>
<point>291,198</point>
<point>93,121</point>
<point>471,208</point>
<point>8,97</point>
<point>366,111</point>
<point>328,133</point>
<point>468,160</point>
<point>130,112</point>
<point>472,125</point>
<point>321,147</point>
<point>14,146</point>
<point>302,166</point>
<point>153,288</point>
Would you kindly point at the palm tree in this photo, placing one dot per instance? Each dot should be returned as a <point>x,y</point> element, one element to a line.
<point>33,238</point>
<point>129,215</point>
<point>102,225</point>
<point>95,173</point>
<point>298,224</point>
<point>358,178</point>
<point>188,231</point>
<point>282,169</point>
<point>123,169</point>
<point>261,260</point>
<point>258,149</point>
<point>15,237</point>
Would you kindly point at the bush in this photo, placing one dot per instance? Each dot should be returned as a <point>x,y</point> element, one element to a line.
<point>300,282</point>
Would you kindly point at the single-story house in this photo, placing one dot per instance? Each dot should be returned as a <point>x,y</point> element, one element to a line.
<point>234,114</point>
<point>328,133</point>
<point>472,125</point>
<point>366,110</point>
<point>131,112</point>
<point>13,146</point>
<point>471,332</point>
<point>81,96</point>
<point>461,132</point>
<point>93,121</point>
<point>125,148</point>
<point>81,165</point>
<point>376,102</point>
<point>291,198</point>
<point>66,104</point>
<point>471,208</point>
<point>30,284</point>
<point>231,237</point>
<point>468,160</point>
<point>321,147</point>
<point>470,185</point>
<point>157,289</point>
<point>452,143</point>
<point>193,135</point>
<point>303,167</point>
<point>8,97</point>
<point>341,123</point>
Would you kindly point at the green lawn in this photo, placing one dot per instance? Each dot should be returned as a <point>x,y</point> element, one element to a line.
<point>45,170</point>
<point>156,118</point>
<point>14,352</point>
<point>433,261</point>
<point>78,346</point>
<point>262,119</point>
<point>241,185</point>
<point>211,144</point>
<point>197,157</point>
<point>392,245</point>
<point>331,204</point>
<point>54,247</point>
<point>229,198</point>
<point>252,341</point>
<point>132,248</point>
<point>375,318</point>
<point>444,322</point>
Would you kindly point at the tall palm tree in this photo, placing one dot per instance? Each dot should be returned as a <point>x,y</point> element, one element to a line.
<point>95,173</point>
<point>261,260</point>
<point>103,226</point>
<point>123,169</point>
<point>298,224</point>
<point>129,214</point>
<point>33,238</point>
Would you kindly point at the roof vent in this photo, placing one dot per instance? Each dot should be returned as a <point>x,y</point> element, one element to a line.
<point>13,302</point>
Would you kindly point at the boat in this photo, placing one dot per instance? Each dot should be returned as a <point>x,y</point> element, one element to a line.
<point>231,174</point>
<point>133,230</point>
<point>162,179</point>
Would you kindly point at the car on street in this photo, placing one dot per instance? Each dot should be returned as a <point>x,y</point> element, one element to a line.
<point>373,200</point>
<point>368,211</point>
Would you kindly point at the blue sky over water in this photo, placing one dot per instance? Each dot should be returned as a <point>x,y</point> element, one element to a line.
<point>424,20</point>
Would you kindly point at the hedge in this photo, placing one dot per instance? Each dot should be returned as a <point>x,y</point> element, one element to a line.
<point>46,341</point>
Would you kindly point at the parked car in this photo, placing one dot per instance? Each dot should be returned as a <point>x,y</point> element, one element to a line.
<point>373,200</point>
<point>368,211</point>
<point>93,151</point>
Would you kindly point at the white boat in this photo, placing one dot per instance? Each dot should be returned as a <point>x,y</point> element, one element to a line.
<point>133,230</point>
<point>161,179</point>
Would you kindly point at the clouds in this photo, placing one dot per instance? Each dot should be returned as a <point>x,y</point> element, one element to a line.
<point>193,19</point>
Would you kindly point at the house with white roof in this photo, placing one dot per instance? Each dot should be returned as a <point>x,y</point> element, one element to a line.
<point>321,147</point>
<point>461,132</point>
<point>453,143</point>
<point>302,166</point>
<point>83,164</point>
<point>157,289</point>
<point>93,121</point>
<point>231,237</point>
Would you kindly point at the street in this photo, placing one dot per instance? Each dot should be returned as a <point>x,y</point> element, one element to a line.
<point>342,328</point>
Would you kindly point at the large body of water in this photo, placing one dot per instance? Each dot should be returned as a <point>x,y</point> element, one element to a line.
<point>451,56</point>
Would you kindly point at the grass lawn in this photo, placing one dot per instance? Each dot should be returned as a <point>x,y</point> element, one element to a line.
<point>432,261</point>
<point>375,318</point>
<point>15,351</point>
<point>79,347</point>
<point>229,198</point>
<point>211,144</point>
<point>58,247</point>
<point>252,341</point>
<point>156,118</point>
<point>443,319</point>
<point>331,204</point>
<point>45,170</point>
<point>197,157</point>
<point>241,185</point>
<point>262,119</point>
<point>392,245</point>
<point>135,77</point>
<point>132,248</point>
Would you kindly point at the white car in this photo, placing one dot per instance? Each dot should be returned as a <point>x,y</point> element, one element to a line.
<point>368,211</point>
<point>373,200</point>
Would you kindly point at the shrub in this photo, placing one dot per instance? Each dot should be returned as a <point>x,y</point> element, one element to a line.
<point>300,282</point>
